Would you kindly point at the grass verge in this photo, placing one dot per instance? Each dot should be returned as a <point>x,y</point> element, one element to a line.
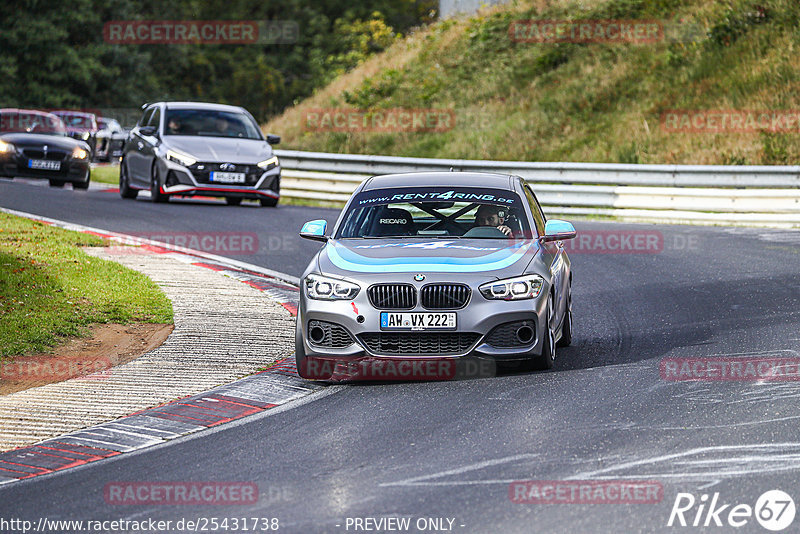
<point>51,290</point>
<point>107,174</point>
<point>599,102</point>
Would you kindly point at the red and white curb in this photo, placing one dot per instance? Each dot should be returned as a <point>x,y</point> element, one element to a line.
<point>276,386</point>
<point>254,394</point>
<point>285,294</point>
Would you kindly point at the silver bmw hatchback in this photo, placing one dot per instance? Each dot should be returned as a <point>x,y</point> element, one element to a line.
<point>422,270</point>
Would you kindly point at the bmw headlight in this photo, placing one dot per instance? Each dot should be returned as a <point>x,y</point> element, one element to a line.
<point>523,287</point>
<point>323,288</point>
<point>85,136</point>
<point>269,163</point>
<point>79,153</point>
<point>180,158</point>
<point>6,148</point>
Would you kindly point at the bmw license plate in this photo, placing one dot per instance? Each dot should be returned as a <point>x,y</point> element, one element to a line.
<point>418,321</point>
<point>44,164</point>
<point>228,177</point>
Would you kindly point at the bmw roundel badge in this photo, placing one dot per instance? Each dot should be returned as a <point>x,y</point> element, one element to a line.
<point>419,277</point>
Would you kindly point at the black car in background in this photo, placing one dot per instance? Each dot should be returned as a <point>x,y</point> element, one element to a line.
<point>190,148</point>
<point>110,139</point>
<point>80,125</point>
<point>34,144</point>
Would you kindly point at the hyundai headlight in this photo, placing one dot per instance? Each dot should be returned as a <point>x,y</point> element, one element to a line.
<point>6,148</point>
<point>269,163</point>
<point>523,287</point>
<point>79,153</point>
<point>323,288</point>
<point>180,158</point>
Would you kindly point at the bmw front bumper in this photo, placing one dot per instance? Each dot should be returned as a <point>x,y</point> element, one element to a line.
<point>483,328</point>
<point>71,170</point>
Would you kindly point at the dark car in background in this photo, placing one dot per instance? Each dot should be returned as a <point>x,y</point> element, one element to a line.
<point>34,144</point>
<point>111,138</point>
<point>191,148</point>
<point>80,125</point>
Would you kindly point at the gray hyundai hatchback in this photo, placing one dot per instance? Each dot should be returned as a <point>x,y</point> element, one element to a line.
<point>193,148</point>
<point>435,266</point>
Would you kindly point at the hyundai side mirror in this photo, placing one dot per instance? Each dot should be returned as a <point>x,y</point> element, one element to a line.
<point>555,230</point>
<point>315,230</point>
<point>273,139</point>
<point>148,130</point>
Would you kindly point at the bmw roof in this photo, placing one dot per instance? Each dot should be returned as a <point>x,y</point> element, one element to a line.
<point>443,179</point>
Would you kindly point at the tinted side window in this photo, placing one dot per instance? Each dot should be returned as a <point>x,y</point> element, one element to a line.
<point>155,118</point>
<point>146,116</point>
<point>536,210</point>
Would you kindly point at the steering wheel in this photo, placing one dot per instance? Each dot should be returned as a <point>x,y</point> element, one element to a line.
<point>485,232</point>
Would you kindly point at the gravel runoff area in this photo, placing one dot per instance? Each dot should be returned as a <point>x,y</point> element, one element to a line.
<point>224,329</point>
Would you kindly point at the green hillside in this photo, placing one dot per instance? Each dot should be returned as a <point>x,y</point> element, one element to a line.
<point>568,101</point>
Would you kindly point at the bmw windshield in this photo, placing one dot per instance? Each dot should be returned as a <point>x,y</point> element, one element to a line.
<point>435,212</point>
<point>211,123</point>
<point>22,122</point>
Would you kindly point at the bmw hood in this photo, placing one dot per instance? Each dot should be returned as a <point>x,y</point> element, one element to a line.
<point>37,140</point>
<point>457,256</point>
<point>221,149</point>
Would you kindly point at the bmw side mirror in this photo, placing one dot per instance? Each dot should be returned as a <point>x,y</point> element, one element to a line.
<point>555,230</point>
<point>315,230</point>
<point>273,139</point>
<point>148,130</point>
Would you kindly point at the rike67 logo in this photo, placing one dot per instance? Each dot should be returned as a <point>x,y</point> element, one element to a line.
<point>774,510</point>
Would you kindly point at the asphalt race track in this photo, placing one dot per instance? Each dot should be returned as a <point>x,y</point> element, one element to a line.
<point>275,229</point>
<point>451,449</point>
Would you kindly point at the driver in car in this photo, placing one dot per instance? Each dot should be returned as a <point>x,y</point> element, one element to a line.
<point>489,215</point>
<point>223,126</point>
<point>174,127</point>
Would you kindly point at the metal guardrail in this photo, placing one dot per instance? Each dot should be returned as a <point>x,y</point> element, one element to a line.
<point>753,195</point>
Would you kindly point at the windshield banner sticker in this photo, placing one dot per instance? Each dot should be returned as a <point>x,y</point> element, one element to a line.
<point>464,196</point>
